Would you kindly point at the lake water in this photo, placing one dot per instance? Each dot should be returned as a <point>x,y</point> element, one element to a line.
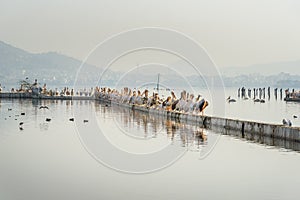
<point>110,156</point>
<point>272,111</point>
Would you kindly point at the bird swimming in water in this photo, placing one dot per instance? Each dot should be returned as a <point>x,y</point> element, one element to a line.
<point>44,107</point>
<point>21,126</point>
<point>48,119</point>
<point>9,109</point>
<point>85,121</point>
<point>230,100</point>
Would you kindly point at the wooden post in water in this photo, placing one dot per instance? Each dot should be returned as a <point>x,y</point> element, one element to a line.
<point>157,86</point>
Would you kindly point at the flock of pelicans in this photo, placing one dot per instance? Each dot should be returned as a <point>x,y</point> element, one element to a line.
<point>187,103</point>
<point>231,100</point>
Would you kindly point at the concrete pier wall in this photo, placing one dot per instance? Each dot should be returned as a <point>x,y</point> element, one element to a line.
<point>17,95</point>
<point>240,128</point>
<point>9,95</point>
<point>243,127</point>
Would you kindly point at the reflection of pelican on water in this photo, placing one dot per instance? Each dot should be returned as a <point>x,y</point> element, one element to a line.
<point>189,136</point>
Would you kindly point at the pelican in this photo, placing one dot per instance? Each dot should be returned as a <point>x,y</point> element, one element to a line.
<point>286,122</point>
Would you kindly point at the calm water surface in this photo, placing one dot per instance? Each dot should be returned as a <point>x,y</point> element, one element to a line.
<point>49,160</point>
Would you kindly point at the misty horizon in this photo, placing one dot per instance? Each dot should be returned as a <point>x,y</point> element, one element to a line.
<point>225,70</point>
<point>234,33</point>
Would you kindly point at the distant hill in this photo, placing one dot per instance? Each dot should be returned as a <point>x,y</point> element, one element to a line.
<point>281,80</point>
<point>51,68</point>
<point>292,67</point>
<point>60,70</point>
<point>280,74</point>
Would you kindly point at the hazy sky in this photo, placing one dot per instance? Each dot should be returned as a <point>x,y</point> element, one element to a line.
<point>234,32</point>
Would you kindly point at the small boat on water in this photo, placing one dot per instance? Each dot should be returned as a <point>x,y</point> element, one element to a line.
<point>293,97</point>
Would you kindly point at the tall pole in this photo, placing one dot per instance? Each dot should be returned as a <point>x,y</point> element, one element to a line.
<point>157,87</point>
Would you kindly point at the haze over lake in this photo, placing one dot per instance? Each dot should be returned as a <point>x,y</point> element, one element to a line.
<point>71,127</point>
